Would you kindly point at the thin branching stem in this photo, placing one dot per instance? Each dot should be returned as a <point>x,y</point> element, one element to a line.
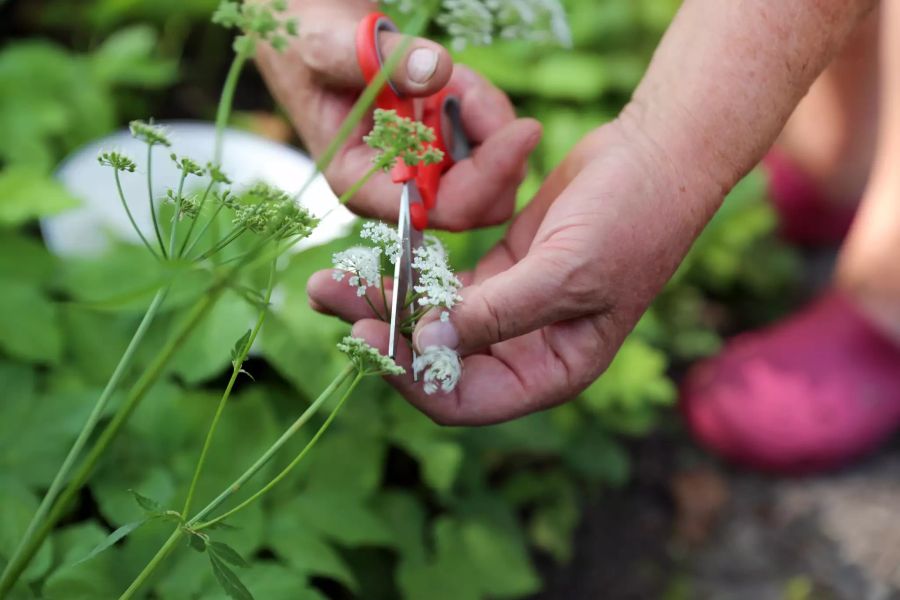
<point>232,489</point>
<point>284,472</point>
<point>237,366</point>
<point>130,216</point>
<point>187,236</point>
<point>173,235</point>
<point>203,230</point>
<point>159,238</point>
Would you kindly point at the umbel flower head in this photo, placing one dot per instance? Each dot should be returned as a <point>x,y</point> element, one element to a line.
<point>367,359</point>
<point>265,209</point>
<point>363,265</point>
<point>442,368</point>
<point>187,165</point>
<point>116,160</point>
<point>154,135</point>
<point>396,137</point>
<point>384,237</point>
<point>438,285</point>
<point>258,20</point>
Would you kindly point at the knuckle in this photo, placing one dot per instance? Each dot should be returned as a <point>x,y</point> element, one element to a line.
<point>317,44</point>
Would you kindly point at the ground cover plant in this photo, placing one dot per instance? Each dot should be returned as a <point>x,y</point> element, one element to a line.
<point>387,505</point>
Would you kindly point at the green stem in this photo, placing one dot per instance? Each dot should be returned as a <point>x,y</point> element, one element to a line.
<point>346,196</point>
<point>284,472</point>
<point>23,553</point>
<point>131,217</point>
<point>160,556</point>
<point>275,447</point>
<point>190,230</point>
<point>167,548</point>
<point>238,363</point>
<point>173,235</point>
<point>162,246</point>
<point>235,234</point>
<point>223,112</point>
<point>200,235</point>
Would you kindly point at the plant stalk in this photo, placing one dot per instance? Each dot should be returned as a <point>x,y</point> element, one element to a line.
<point>284,472</point>
<point>238,363</point>
<point>160,556</point>
<point>20,558</point>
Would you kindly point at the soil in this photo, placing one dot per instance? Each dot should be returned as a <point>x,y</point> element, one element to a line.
<point>687,527</point>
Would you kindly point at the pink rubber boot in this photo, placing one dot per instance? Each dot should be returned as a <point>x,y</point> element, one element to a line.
<point>809,393</point>
<point>805,216</point>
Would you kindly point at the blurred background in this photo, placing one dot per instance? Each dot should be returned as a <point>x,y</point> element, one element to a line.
<point>601,498</point>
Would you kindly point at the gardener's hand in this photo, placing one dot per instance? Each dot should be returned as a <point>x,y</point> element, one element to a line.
<point>317,79</point>
<point>545,311</point>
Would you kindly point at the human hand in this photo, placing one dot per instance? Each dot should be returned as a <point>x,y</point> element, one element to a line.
<point>317,80</point>
<point>545,311</point>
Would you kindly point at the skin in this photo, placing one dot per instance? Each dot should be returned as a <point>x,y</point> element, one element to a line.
<point>546,310</point>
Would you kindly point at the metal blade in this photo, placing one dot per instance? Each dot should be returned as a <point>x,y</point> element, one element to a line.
<point>402,270</point>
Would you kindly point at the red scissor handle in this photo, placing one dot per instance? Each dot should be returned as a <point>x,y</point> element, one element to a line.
<point>441,112</point>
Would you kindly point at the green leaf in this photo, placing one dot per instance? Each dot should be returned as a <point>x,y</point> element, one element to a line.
<point>111,539</point>
<point>237,351</point>
<point>17,506</point>
<point>271,581</point>
<point>304,549</point>
<point>148,504</point>
<point>203,354</point>
<point>228,554</point>
<point>36,428</point>
<point>29,324</point>
<point>229,581</point>
<point>25,259</point>
<point>126,58</point>
<point>345,519</point>
<point>27,194</point>
<point>197,542</point>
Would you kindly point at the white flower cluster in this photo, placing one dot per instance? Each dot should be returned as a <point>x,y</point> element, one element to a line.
<point>436,287</point>
<point>384,237</point>
<point>364,266</point>
<point>437,284</point>
<point>476,22</point>
<point>442,368</point>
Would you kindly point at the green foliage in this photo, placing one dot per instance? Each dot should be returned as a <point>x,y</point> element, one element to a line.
<point>26,194</point>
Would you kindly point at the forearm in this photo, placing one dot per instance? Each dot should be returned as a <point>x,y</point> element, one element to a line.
<point>724,80</point>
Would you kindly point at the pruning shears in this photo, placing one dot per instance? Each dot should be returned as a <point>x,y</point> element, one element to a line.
<point>441,112</point>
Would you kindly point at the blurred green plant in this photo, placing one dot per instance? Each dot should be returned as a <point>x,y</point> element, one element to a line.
<point>390,505</point>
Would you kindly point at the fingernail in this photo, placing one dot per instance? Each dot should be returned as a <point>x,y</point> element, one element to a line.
<point>437,333</point>
<point>421,64</point>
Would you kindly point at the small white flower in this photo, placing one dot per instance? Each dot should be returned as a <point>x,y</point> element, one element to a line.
<point>445,317</point>
<point>442,368</point>
<point>384,237</point>
<point>363,265</point>
<point>437,284</point>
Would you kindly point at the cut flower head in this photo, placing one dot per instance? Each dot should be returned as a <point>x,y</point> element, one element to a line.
<point>442,367</point>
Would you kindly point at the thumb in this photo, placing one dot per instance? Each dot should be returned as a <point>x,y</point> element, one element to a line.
<point>529,295</point>
<point>327,44</point>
